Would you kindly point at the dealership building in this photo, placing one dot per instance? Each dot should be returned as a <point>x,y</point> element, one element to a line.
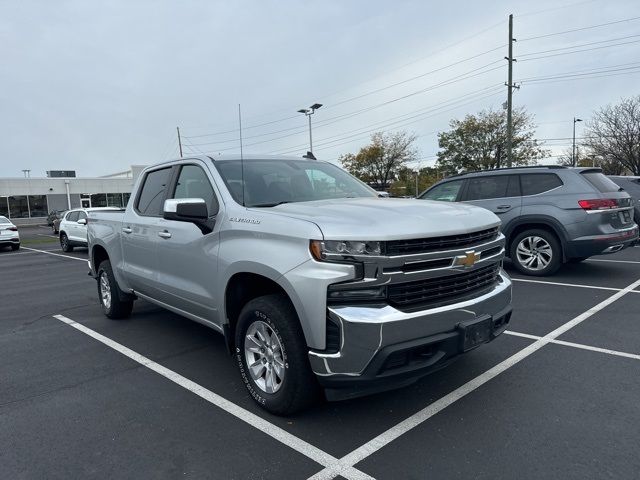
<point>29,200</point>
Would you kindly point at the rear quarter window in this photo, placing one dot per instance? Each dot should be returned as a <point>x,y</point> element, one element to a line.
<point>600,182</point>
<point>535,183</point>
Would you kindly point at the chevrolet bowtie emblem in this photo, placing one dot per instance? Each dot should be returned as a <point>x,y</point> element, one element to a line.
<point>467,260</point>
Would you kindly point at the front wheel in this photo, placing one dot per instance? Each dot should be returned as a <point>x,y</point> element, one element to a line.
<point>64,243</point>
<point>114,302</point>
<point>536,252</point>
<point>272,356</point>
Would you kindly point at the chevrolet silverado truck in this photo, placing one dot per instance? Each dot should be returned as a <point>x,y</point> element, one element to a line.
<point>317,284</point>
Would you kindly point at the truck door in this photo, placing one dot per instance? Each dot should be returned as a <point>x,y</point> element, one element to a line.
<point>187,257</point>
<point>498,193</point>
<point>140,232</point>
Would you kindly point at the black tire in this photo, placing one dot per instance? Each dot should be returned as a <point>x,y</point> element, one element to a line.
<point>15,247</point>
<point>119,304</point>
<point>298,388</point>
<point>64,243</point>
<point>577,260</point>
<point>537,265</point>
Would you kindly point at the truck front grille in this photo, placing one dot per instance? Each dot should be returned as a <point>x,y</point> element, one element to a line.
<point>424,245</point>
<point>442,290</point>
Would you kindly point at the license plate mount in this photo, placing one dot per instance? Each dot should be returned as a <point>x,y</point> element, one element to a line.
<point>475,332</point>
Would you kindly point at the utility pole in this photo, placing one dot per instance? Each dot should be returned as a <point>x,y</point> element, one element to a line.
<point>179,141</point>
<point>417,176</point>
<point>510,87</point>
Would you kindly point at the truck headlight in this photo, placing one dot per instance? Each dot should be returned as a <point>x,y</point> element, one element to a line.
<point>333,249</point>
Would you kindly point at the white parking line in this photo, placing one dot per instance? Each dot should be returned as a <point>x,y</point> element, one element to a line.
<point>576,285</point>
<point>577,345</point>
<point>429,411</point>
<point>286,438</point>
<point>612,261</point>
<point>55,254</point>
<point>545,282</point>
<point>45,235</point>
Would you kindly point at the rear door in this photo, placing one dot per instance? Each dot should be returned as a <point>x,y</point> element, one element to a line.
<point>498,193</point>
<point>140,231</point>
<point>188,257</point>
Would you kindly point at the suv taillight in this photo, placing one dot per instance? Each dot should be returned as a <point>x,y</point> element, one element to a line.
<point>13,229</point>
<point>598,204</point>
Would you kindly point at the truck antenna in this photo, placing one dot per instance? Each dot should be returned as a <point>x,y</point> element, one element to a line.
<point>241,154</point>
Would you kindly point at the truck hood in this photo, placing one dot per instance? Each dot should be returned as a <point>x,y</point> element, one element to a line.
<point>389,218</point>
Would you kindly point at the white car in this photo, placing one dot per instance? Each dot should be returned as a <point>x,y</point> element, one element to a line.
<point>9,235</point>
<point>73,227</point>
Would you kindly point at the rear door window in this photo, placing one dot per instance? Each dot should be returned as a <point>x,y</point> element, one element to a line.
<point>535,183</point>
<point>483,188</point>
<point>445,192</point>
<point>151,197</point>
<point>601,182</point>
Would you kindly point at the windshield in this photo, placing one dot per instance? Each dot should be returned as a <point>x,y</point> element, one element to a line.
<point>271,182</point>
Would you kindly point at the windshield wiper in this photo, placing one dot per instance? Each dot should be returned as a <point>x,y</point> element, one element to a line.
<point>265,205</point>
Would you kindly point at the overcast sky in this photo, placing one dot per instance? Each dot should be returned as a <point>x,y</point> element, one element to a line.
<point>98,86</point>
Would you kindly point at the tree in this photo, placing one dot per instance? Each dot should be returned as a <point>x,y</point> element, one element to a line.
<point>405,181</point>
<point>380,162</point>
<point>479,142</point>
<point>586,158</point>
<point>614,134</point>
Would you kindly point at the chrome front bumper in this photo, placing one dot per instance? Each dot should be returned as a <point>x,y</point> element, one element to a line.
<point>365,330</point>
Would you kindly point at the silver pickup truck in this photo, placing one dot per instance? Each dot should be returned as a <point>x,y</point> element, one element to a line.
<point>315,282</point>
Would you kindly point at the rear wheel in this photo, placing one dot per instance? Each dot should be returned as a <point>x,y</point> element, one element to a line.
<point>536,252</point>
<point>15,247</point>
<point>272,356</point>
<point>64,243</point>
<point>114,302</point>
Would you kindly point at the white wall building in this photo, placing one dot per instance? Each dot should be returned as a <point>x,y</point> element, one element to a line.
<point>29,200</point>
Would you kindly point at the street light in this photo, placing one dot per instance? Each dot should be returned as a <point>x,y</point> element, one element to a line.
<point>308,112</point>
<point>573,150</point>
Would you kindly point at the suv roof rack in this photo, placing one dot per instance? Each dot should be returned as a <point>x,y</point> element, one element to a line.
<point>553,167</point>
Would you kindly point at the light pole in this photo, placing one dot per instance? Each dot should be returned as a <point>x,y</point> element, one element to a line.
<point>573,150</point>
<point>308,112</point>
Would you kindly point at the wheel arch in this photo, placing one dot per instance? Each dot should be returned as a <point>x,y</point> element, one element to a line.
<point>243,286</point>
<point>542,222</point>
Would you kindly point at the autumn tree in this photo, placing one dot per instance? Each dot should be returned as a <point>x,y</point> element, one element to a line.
<point>586,158</point>
<point>380,162</point>
<point>613,134</point>
<point>479,142</point>
<point>405,182</point>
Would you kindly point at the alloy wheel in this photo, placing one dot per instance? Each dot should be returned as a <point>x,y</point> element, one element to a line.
<point>534,253</point>
<point>263,354</point>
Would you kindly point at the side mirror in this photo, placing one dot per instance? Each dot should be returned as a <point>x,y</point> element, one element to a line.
<point>82,221</point>
<point>185,209</point>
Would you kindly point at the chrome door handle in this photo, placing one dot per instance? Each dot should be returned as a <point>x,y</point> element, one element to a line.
<point>503,207</point>
<point>127,229</point>
<point>164,234</point>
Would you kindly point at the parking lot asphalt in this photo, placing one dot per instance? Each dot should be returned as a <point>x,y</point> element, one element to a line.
<point>157,396</point>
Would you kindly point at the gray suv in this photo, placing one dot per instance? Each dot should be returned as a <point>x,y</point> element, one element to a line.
<point>550,214</point>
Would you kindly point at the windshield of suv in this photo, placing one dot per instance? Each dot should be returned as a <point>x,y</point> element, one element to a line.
<point>268,183</point>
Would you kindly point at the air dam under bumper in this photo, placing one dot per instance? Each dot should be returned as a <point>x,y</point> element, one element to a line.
<point>383,348</point>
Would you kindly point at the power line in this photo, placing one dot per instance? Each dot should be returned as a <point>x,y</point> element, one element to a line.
<point>553,34</point>
<point>579,51</point>
<point>578,46</point>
